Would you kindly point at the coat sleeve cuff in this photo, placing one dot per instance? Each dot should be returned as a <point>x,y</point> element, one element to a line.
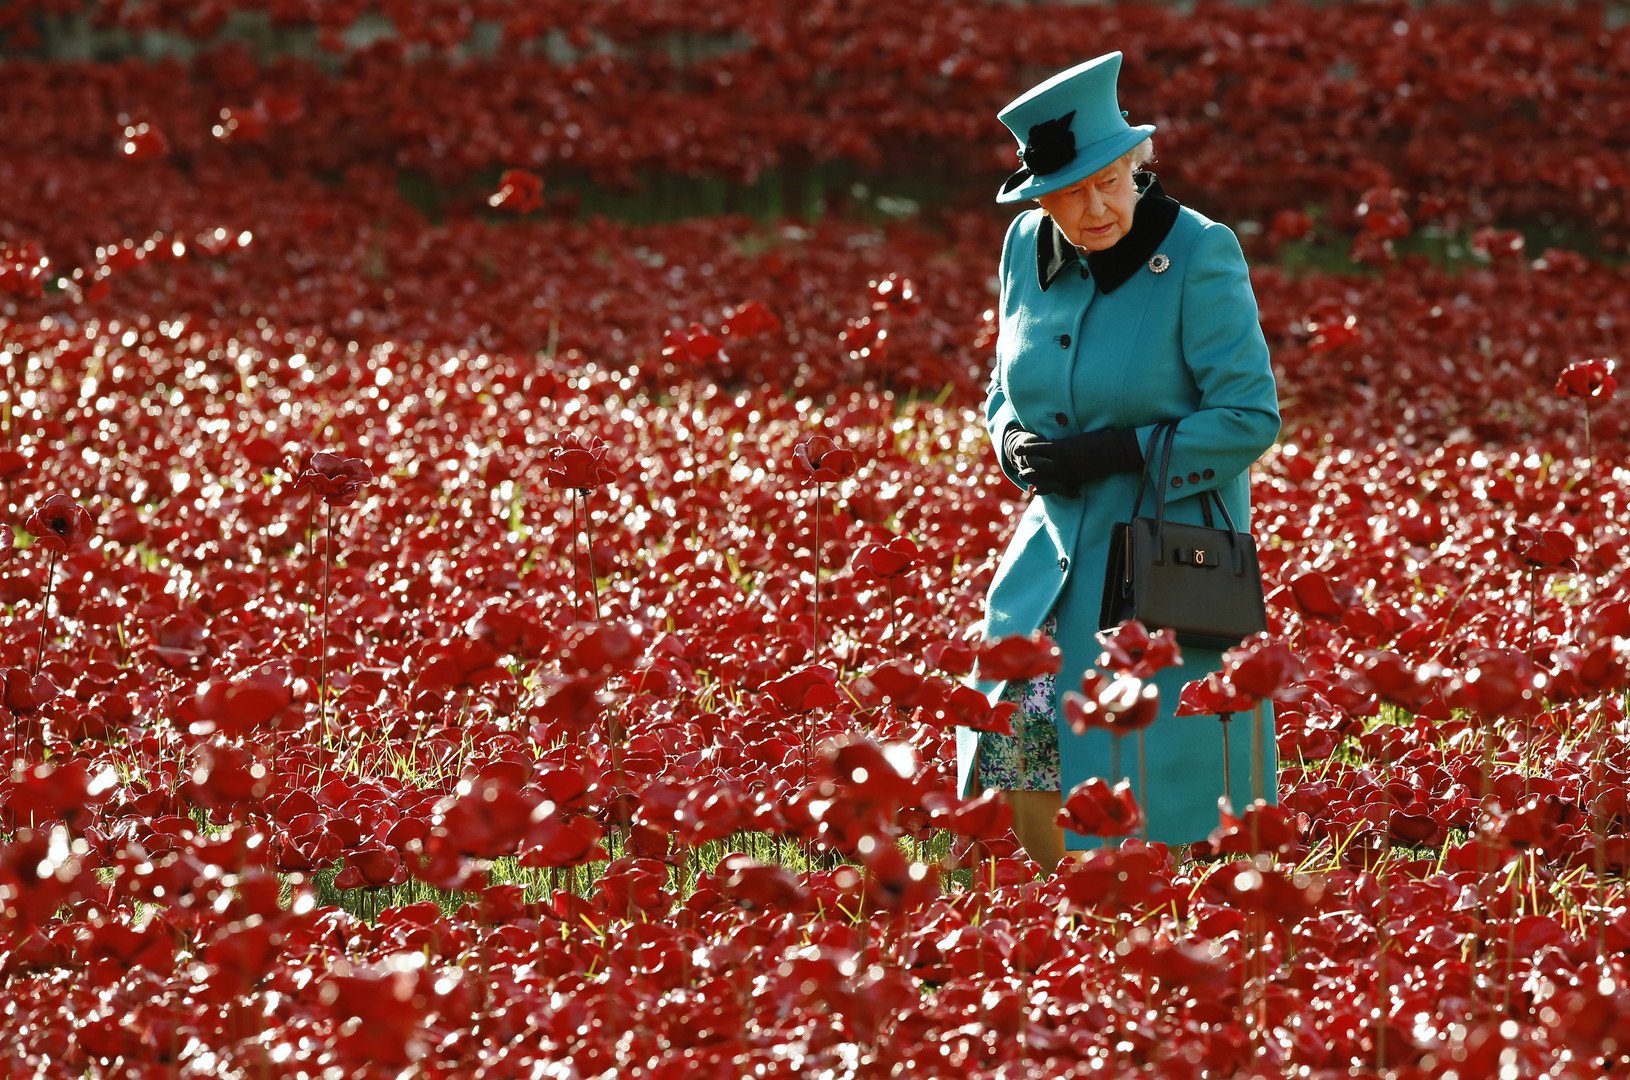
<point>1001,421</point>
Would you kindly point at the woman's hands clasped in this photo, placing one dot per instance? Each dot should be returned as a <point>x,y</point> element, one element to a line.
<point>1062,466</point>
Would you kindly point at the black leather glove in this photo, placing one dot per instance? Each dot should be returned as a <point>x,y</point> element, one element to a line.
<point>1016,447</point>
<point>1061,466</point>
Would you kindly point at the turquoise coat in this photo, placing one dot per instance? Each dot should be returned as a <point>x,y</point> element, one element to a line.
<point>1163,326</point>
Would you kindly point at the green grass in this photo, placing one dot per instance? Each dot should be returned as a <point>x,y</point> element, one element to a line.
<point>541,884</point>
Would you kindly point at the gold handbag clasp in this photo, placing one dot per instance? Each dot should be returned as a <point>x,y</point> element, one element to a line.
<point>1198,557</point>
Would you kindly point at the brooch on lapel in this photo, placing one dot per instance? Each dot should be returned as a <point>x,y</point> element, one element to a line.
<point>1160,264</point>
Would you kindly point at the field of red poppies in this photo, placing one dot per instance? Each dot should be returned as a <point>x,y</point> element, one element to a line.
<point>447,631</point>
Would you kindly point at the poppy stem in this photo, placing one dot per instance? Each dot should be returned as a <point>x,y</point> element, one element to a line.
<point>45,608</point>
<point>815,606</point>
<point>1383,995</point>
<point>1247,970</point>
<point>1479,916</point>
<point>1228,772</point>
<point>1514,886</point>
<point>311,551</point>
<point>1257,751</point>
<point>1115,757</point>
<point>1143,785</point>
<point>1256,966</point>
<point>588,547</point>
<point>1528,719</point>
<point>322,659</point>
<point>1533,609</point>
<point>1598,828</point>
<point>571,505</point>
<point>1586,500</point>
<point>614,732</point>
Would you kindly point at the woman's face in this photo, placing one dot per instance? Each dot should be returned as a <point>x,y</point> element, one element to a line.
<point>1096,212</point>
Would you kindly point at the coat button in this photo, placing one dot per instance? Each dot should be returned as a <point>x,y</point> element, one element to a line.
<point>1177,481</point>
<point>1194,478</point>
<point>1064,341</point>
<point>1208,474</point>
<point>1061,418</point>
<point>1063,563</point>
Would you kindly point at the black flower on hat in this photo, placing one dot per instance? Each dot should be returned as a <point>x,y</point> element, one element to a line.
<point>1050,146</point>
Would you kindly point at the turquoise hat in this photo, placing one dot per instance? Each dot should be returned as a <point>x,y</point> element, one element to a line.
<point>1068,128</point>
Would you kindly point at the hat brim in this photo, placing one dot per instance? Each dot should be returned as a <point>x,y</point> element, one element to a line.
<point>1026,185</point>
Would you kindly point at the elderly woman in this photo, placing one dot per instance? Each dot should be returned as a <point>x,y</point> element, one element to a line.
<point>1120,310</point>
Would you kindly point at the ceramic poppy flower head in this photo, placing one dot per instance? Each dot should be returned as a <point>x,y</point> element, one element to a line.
<point>1261,666</point>
<point>1130,648</point>
<point>1591,380</point>
<point>24,269</point>
<point>751,319</point>
<point>884,562</point>
<point>822,461</point>
<point>1212,695</point>
<point>1121,704</point>
<point>336,479</point>
<point>1068,128</point>
<point>578,465</point>
<point>1551,549</point>
<point>60,525</point>
<point>1093,808</point>
<point>519,192</point>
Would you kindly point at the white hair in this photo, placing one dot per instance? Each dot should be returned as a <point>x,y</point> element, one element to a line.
<point>1141,154</point>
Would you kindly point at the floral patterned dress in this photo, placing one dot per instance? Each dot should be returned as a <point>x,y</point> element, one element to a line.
<point>1027,760</point>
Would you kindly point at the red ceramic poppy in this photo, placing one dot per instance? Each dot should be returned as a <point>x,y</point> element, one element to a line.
<point>894,294</point>
<point>1261,666</point>
<point>1096,809</point>
<point>1553,549</point>
<point>1213,695</point>
<point>695,346</point>
<point>760,887</point>
<point>143,141</point>
<point>1018,657</point>
<point>519,192</point>
<point>24,269</point>
<point>1121,705</point>
<point>820,461</point>
<point>1266,893</point>
<point>1261,827</point>
<point>59,524</point>
<point>750,320</point>
<point>1590,380</point>
<point>886,561</point>
<point>1131,650</point>
<point>1315,597</point>
<point>335,478</point>
<point>578,465</point>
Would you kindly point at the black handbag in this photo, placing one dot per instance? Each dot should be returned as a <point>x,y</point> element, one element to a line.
<point>1199,581</point>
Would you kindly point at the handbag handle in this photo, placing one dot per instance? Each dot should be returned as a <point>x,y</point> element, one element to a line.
<point>1168,429</point>
<point>1165,427</point>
